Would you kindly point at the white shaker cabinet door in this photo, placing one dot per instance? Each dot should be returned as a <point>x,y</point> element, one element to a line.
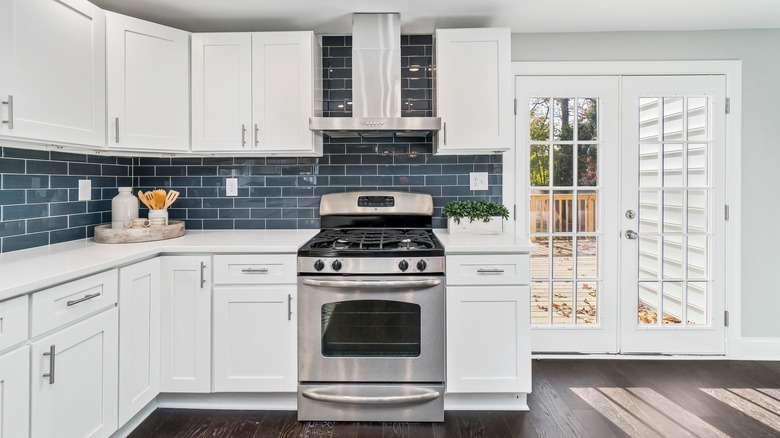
<point>148,85</point>
<point>282,92</point>
<point>186,324</point>
<point>488,339</point>
<point>139,336</point>
<point>255,339</point>
<point>474,90</point>
<point>221,91</point>
<point>74,380</point>
<point>15,393</point>
<point>52,73</point>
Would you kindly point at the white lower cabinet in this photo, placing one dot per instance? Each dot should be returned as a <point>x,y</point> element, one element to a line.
<point>488,324</point>
<point>185,331</point>
<point>74,380</point>
<point>139,336</point>
<point>255,339</point>
<point>15,393</point>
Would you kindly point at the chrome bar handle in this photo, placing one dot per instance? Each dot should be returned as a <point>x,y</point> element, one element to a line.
<point>444,129</point>
<point>81,300</point>
<point>632,235</point>
<point>10,103</point>
<point>257,135</point>
<point>373,284</point>
<point>243,135</point>
<point>202,274</point>
<point>116,130</point>
<point>52,357</point>
<point>321,395</point>
<point>289,307</point>
<point>489,270</point>
<point>255,270</point>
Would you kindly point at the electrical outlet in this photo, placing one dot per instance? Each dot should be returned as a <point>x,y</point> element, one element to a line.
<point>231,186</point>
<point>478,180</point>
<point>85,190</point>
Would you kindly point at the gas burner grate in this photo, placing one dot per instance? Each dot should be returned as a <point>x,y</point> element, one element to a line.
<point>373,239</point>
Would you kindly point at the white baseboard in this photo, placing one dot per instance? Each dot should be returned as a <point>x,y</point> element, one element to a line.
<point>136,420</point>
<point>486,402</point>
<point>756,349</point>
<point>249,401</point>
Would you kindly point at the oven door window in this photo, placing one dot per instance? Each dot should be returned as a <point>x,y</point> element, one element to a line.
<point>370,328</point>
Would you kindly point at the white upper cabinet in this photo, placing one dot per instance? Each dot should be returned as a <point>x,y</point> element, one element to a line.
<point>221,91</point>
<point>253,92</point>
<point>474,91</point>
<point>52,71</point>
<point>148,85</point>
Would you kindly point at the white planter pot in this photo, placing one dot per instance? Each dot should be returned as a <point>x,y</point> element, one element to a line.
<point>494,226</point>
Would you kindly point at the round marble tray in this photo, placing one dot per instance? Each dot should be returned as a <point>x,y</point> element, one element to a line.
<point>106,234</point>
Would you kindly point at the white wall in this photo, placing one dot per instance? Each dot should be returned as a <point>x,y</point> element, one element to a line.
<point>759,51</point>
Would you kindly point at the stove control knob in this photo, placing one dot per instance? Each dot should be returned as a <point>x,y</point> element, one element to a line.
<point>336,265</point>
<point>319,264</point>
<point>403,265</point>
<point>421,265</point>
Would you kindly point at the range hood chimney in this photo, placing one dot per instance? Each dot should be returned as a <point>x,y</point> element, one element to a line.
<point>376,85</point>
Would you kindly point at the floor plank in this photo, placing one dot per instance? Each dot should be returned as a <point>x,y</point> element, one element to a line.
<point>571,398</point>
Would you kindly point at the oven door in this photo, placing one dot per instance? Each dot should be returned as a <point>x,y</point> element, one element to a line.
<point>371,329</point>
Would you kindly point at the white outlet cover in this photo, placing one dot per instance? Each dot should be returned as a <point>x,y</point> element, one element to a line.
<point>85,190</point>
<point>231,186</point>
<point>478,180</point>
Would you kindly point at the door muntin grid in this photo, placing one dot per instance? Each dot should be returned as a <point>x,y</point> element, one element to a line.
<point>564,188</point>
<point>674,277</point>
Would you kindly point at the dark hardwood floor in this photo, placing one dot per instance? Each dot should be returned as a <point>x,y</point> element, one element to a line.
<point>571,398</point>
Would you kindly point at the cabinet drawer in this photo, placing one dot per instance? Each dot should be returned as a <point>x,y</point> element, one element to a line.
<point>487,269</point>
<point>255,269</point>
<point>14,317</point>
<point>60,305</point>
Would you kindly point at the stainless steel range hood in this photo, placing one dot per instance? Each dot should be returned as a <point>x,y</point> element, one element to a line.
<point>376,85</point>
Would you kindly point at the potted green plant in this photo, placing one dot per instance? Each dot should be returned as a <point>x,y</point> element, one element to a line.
<point>475,217</point>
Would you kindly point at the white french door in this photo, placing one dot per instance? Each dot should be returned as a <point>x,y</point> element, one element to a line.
<point>672,244</point>
<point>569,126</point>
<point>622,177</point>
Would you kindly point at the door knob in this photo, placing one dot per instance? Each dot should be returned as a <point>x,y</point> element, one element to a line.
<point>630,214</point>
<point>631,234</point>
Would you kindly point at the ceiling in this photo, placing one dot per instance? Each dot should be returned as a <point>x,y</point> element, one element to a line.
<point>422,16</point>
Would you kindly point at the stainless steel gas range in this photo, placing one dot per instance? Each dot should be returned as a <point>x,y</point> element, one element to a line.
<point>371,311</point>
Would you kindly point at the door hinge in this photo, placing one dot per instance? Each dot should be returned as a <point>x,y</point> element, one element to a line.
<point>515,212</point>
<point>515,106</point>
<point>726,318</point>
<point>728,105</point>
<point>726,212</point>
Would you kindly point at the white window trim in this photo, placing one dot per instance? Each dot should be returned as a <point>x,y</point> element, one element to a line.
<point>733,241</point>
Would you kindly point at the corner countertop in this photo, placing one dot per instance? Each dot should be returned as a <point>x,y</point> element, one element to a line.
<point>26,271</point>
<point>461,243</point>
<point>32,269</point>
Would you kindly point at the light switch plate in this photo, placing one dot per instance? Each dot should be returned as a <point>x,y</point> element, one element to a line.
<point>231,186</point>
<point>85,190</point>
<point>478,180</point>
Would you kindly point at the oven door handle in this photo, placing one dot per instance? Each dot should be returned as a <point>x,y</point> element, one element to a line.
<point>424,395</point>
<point>374,284</point>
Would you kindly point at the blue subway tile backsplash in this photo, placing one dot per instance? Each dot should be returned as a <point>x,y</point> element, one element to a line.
<point>39,189</point>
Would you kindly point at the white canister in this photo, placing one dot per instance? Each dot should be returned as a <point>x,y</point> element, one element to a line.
<point>124,207</point>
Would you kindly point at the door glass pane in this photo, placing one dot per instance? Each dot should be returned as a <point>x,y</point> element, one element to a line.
<point>562,305</point>
<point>563,128</point>
<point>673,118</point>
<point>539,163</point>
<point>563,166</point>
<point>674,231</point>
<point>370,328</point>
<point>587,165</point>
<point>563,219</point>
<point>587,114</point>
<point>539,109</point>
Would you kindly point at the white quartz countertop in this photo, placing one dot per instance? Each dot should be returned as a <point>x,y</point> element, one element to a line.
<point>33,269</point>
<point>506,243</point>
<point>37,268</point>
